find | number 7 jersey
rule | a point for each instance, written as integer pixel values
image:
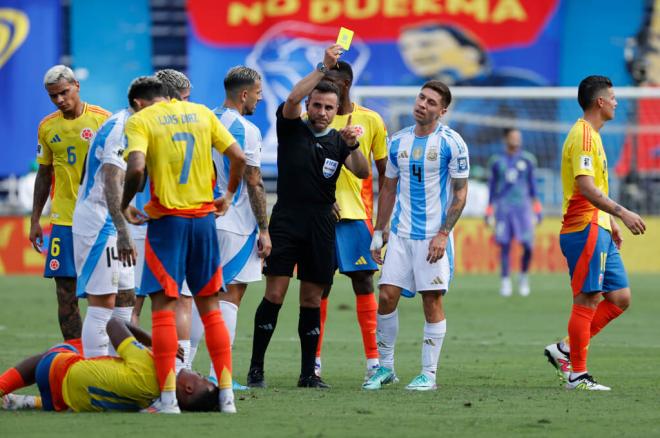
(424, 166)
(177, 138)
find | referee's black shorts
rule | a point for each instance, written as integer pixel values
(303, 236)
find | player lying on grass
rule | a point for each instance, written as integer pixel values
(126, 383)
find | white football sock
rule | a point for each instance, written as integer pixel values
(123, 313)
(196, 334)
(181, 364)
(230, 315)
(434, 335)
(372, 363)
(386, 333)
(95, 338)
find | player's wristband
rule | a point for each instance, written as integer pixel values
(444, 233)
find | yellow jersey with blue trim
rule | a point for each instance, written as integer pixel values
(124, 383)
(176, 138)
(583, 154)
(63, 144)
(355, 196)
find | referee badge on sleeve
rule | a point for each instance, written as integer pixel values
(329, 167)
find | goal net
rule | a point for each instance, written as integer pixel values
(544, 116)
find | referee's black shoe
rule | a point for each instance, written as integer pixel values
(255, 378)
(312, 381)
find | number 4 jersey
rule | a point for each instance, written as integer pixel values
(176, 138)
(63, 144)
(424, 166)
(91, 215)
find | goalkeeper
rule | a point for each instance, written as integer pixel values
(513, 206)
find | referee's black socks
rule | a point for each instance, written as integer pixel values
(309, 329)
(265, 321)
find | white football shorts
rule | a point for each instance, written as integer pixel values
(238, 257)
(405, 265)
(98, 267)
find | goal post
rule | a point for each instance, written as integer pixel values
(544, 115)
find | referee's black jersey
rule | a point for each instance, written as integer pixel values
(307, 166)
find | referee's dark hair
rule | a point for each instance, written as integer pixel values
(589, 89)
(324, 87)
(441, 88)
(239, 78)
(146, 87)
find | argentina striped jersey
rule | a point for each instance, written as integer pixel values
(239, 218)
(424, 167)
(91, 213)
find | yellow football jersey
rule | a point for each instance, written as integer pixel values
(176, 138)
(124, 383)
(582, 154)
(354, 195)
(63, 144)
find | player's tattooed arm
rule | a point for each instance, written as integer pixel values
(114, 185)
(459, 196)
(257, 195)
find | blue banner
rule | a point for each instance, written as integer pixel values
(111, 45)
(29, 45)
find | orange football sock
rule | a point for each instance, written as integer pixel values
(218, 344)
(605, 312)
(579, 334)
(324, 315)
(164, 345)
(77, 342)
(367, 307)
(10, 381)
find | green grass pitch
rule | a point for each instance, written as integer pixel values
(493, 378)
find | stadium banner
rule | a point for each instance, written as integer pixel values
(109, 53)
(402, 42)
(476, 251)
(17, 256)
(29, 44)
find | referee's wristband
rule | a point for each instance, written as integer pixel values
(353, 148)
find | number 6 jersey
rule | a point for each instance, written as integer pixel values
(63, 144)
(424, 166)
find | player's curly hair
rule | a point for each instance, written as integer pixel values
(204, 401)
(145, 87)
(174, 78)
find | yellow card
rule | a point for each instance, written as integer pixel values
(344, 38)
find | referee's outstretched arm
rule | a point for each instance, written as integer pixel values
(292, 108)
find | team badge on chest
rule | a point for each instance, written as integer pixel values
(329, 167)
(86, 134)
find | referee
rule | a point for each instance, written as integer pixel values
(302, 226)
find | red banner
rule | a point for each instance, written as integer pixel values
(16, 253)
(498, 23)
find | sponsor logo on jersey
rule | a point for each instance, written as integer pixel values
(56, 139)
(54, 265)
(329, 167)
(86, 134)
(403, 154)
